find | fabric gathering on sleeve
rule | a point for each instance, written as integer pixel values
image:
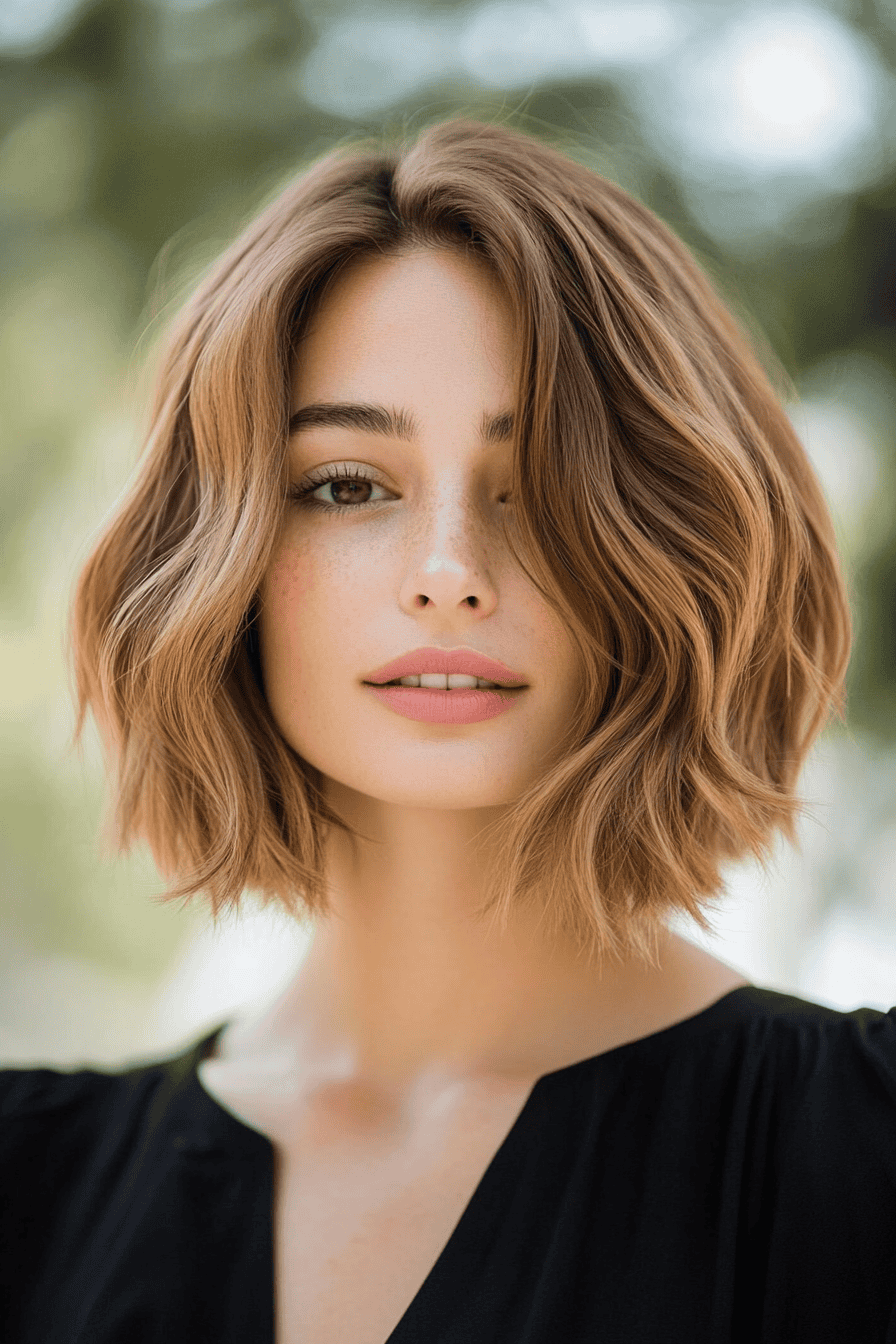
(730, 1179)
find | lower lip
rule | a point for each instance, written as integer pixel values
(435, 706)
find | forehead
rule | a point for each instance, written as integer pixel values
(416, 323)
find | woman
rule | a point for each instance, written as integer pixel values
(453, 411)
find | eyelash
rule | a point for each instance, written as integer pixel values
(301, 493)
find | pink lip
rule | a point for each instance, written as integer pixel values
(463, 661)
(435, 706)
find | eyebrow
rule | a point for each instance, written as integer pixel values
(385, 420)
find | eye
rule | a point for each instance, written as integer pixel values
(302, 494)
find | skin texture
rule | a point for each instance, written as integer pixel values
(403, 980)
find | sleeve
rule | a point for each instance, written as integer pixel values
(873, 1048)
(47, 1119)
(875, 1054)
(831, 1271)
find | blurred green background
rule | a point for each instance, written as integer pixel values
(137, 136)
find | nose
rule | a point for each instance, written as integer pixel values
(451, 564)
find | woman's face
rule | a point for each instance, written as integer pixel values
(428, 335)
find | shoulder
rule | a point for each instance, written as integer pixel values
(813, 1043)
(58, 1110)
(72, 1134)
(32, 1093)
(61, 1139)
(821, 1082)
(91, 1161)
(818, 1040)
(812, 1157)
(54, 1098)
(50, 1120)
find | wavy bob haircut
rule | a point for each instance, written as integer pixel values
(663, 504)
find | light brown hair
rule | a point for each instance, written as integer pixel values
(663, 504)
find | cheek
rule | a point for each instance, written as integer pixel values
(287, 586)
(286, 595)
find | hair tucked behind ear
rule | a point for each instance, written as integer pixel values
(662, 503)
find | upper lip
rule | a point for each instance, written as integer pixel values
(463, 661)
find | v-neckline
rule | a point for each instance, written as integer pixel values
(505, 1156)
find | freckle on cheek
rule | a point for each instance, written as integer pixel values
(289, 582)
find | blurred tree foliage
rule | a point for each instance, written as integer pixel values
(135, 143)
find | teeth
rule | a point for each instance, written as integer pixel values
(439, 681)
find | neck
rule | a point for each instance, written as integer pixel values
(403, 980)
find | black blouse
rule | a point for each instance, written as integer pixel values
(728, 1180)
